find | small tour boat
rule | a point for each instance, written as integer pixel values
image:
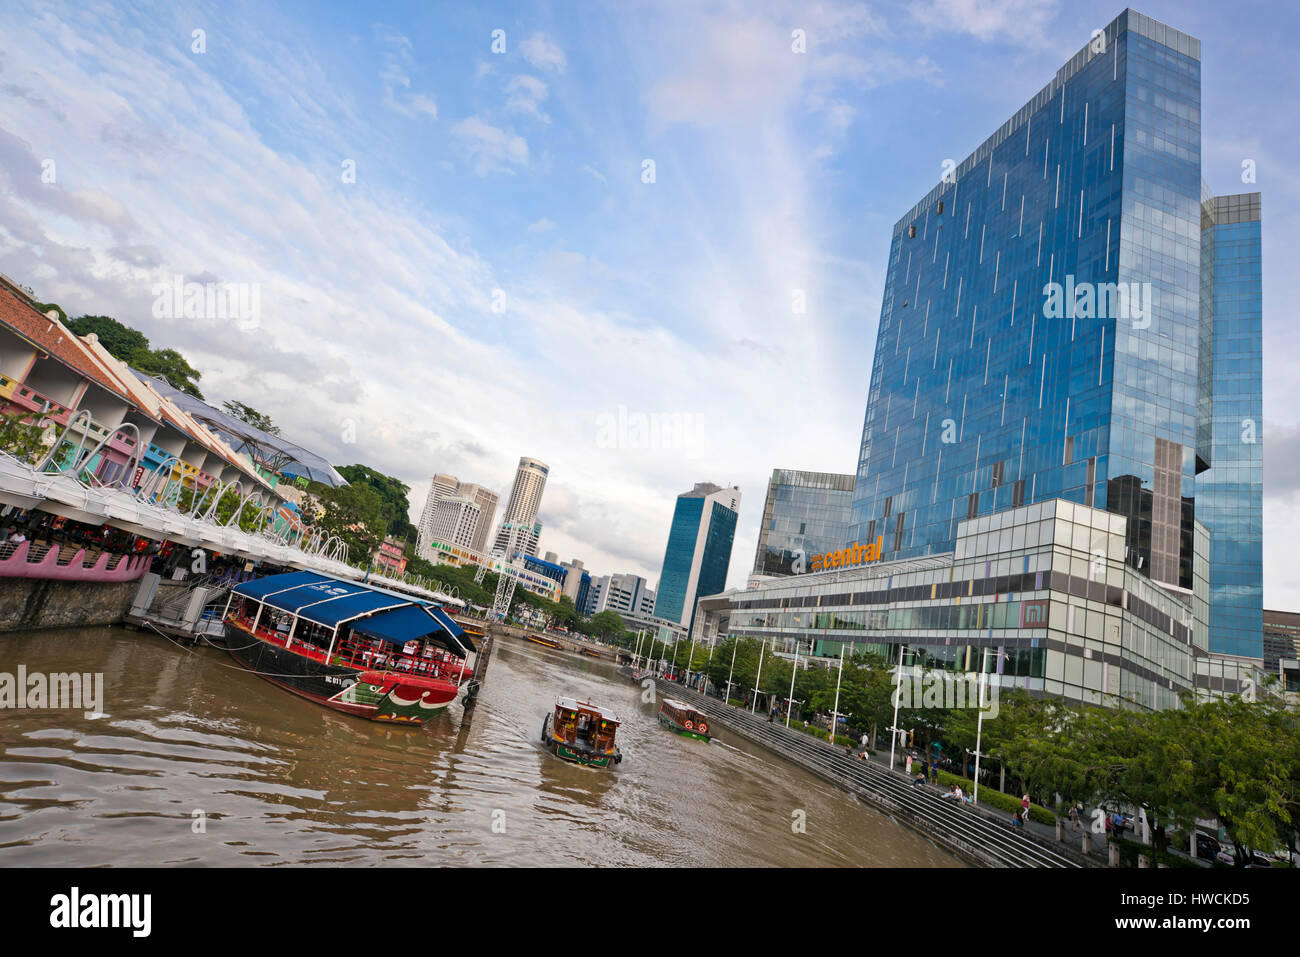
(685, 720)
(583, 733)
(349, 646)
(545, 642)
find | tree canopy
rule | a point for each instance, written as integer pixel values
(246, 413)
(132, 347)
(392, 493)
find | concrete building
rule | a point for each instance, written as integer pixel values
(522, 507)
(471, 525)
(456, 520)
(626, 594)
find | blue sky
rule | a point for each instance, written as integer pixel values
(498, 277)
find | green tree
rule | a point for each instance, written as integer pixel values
(246, 413)
(607, 624)
(132, 347)
(354, 513)
(22, 439)
(171, 365)
(121, 341)
(392, 494)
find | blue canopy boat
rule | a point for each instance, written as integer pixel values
(349, 646)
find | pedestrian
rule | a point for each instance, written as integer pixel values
(1024, 807)
(864, 740)
(909, 764)
(934, 772)
(1074, 818)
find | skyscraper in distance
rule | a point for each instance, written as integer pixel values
(698, 553)
(520, 516)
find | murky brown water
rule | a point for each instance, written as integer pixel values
(283, 781)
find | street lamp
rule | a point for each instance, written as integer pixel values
(979, 724)
(898, 682)
(836, 709)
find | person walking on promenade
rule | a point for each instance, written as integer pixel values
(1074, 818)
(1024, 808)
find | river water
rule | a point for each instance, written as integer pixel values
(196, 762)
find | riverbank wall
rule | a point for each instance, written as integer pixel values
(28, 604)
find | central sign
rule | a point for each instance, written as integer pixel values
(855, 554)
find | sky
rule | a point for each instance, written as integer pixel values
(483, 231)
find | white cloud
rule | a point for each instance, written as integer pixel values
(542, 52)
(525, 94)
(1018, 21)
(542, 225)
(490, 149)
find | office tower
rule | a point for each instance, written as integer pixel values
(522, 507)
(577, 583)
(625, 594)
(486, 500)
(1230, 493)
(699, 550)
(805, 514)
(439, 486)
(445, 486)
(1066, 315)
(456, 520)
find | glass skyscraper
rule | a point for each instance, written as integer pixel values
(699, 550)
(1066, 315)
(806, 513)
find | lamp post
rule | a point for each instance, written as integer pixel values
(898, 681)
(734, 645)
(754, 704)
(789, 705)
(835, 711)
(979, 725)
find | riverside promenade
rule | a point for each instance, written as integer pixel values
(978, 835)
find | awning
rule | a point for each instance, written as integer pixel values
(414, 622)
(259, 588)
(332, 602)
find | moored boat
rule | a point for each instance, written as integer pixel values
(545, 642)
(349, 646)
(685, 720)
(582, 733)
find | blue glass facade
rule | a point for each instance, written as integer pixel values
(1042, 329)
(699, 550)
(1230, 494)
(805, 513)
(679, 557)
(716, 559)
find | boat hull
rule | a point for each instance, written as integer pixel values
(576, 754)
(672, 725)
(363, 694)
